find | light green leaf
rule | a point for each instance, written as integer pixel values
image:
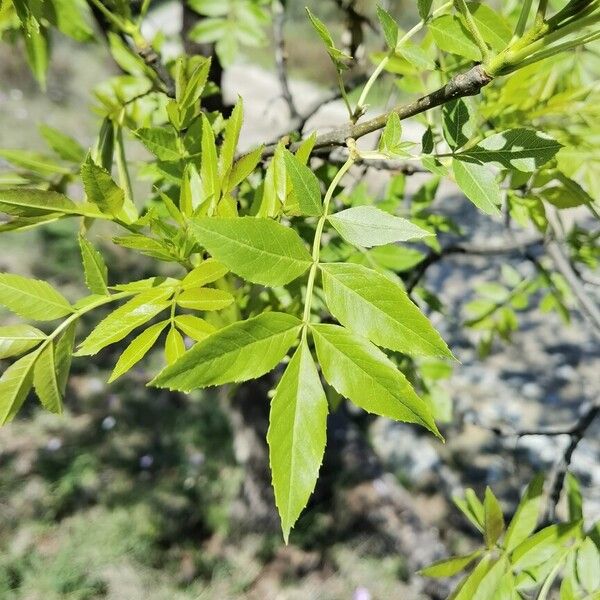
(174, 346)
(94, 267)
(145, 245)
(297, 436)
(574, 499)
(568, 589)
(391, 138)
(472, 508)
(23, 202)
(33, 161)
(101, 189)
(160, 141)
(36, 45)
(359, 371)
(205, 299)
(469, 585)
(63, 356)
(231, 137)
(17, 339)
(526, 516)
(209, 271)
(479, 185)
(241, 351)
(449, 567)
(243, 167)
(259, 250)
(494, 28)
(389, 26)
(31, 298)
(338, 57)
(305, 148)
(209, 30)
(521, 149)
(493, 519)
(195, 85)
(538, 548)
(194, 327)
(416, 56)
(305, 186)
(375, 307)
(125, 319)
(588, 566)
(45, 381)
(491, 581)
(209, 168)
(64, 145)
(450, 35)
(138, 348)
(368, 226)
(15, 384)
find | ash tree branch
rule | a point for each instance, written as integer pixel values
(469, 83)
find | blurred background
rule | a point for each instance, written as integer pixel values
(135, 493)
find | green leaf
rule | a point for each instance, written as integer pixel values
(479, 185)
(539, 547)
(209, 168)
(161, 142)
(518, 149)
(231, 138)
(469, 585)
(209, 271)
(209, 30)
(588, 566)
(31, 298)
(15, 384)
(305, 186)
(424, 7)
(493, 519)
(194, 327)
(472, 508)
(449, 567)
(416, 56)
(368, 226)
(145, 245)
(574, 499)
(259, 250)
(338, 57)
(241, 351)
(23, 202)
(174, 346)
(391, 138)
(205, 299)
(36, 45)
(244, 166)
(94, 267)
(450, 35)
(526, 515)
(65, 146)
(45, 381)
(138, 348)
(17, 339)
(72, 17)
(458, 123)
(491, 581)
(195, 85)
(494, 28)
(101, 189)
(358, 370)
(297, 436)
(33, 161)
(125, 319)
(305, 148)
(389, 26)
(63, 356)
(373, 306)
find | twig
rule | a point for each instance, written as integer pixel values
(577, 433)
(510, 247)
(469, 83)
(154, 62)
(281, 58)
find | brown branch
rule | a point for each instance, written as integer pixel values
(281, 57)
(469, 83)
(152, 60)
